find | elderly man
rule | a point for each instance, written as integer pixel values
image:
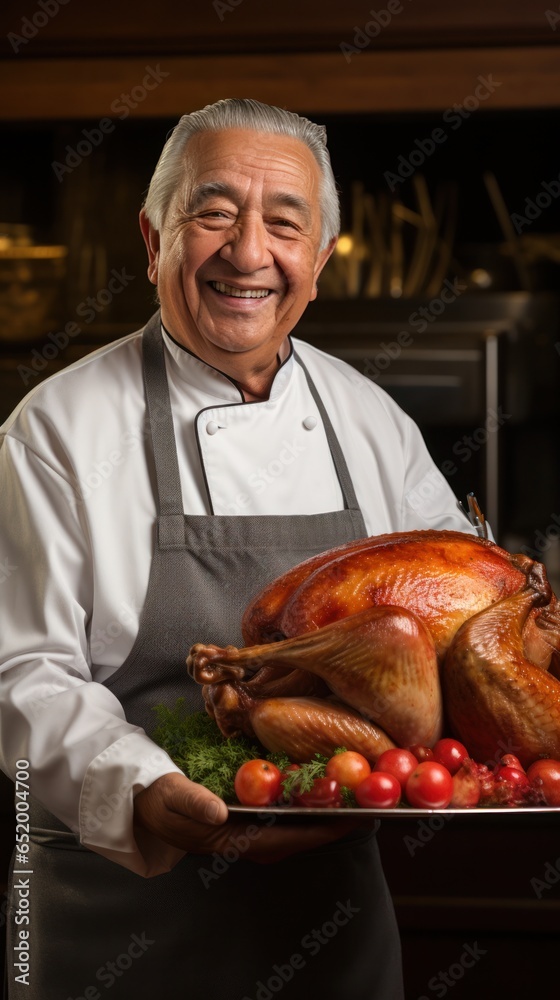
(141, 516)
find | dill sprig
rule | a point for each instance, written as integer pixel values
(196, 745)
(348, 797)
(296, 782)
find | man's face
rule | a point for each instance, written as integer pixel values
(238, 258)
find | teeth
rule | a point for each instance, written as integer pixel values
(238, 293)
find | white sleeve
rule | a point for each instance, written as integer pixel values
(86, 762)
(428, 500)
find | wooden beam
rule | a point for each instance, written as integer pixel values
(430, 80)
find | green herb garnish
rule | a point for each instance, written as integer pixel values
(196, 745)
(302, 780)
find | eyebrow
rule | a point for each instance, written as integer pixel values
(286, 199)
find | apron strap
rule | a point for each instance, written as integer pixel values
(160, 427)
(342, 471)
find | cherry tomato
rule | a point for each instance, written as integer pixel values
(325, 794)
(258, 783)
(430, 786)
(348, 768)
(450, 753)
(421, 753)
(379, 790)
(398, 762)
(544, 776)
(514, 775)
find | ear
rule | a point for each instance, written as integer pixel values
(151, 239)
(322, 259)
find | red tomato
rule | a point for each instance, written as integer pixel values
(258, 783)
(430, 786)
(325, 794)
(379, 790)
(544, 776)
(421, 753)
(514, 775)
(348, 768)
(450, 753)
(398, 762)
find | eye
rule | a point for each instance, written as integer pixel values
(216, 218)
(286, 224)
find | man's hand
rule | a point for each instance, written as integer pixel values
(190, 817)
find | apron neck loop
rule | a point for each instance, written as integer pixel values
(160, 428)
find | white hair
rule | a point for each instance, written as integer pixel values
(241, 113)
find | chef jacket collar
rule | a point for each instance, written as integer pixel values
(211, 381)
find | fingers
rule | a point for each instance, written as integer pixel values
(196, 802)
(189, 816)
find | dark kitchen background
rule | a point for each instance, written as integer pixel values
(443, 124)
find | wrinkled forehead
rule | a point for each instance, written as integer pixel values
(240, 158)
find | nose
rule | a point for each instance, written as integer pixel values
(247, 246)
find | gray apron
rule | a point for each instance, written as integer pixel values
(320, 924)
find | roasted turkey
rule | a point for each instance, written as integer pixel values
(394, 640)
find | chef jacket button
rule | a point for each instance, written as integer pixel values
(212, 427)
(309, 423)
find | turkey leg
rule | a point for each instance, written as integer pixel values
(381, 662)
(296, 726)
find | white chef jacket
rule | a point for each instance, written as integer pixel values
(77, 532)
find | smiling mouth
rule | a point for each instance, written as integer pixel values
(240, 293)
